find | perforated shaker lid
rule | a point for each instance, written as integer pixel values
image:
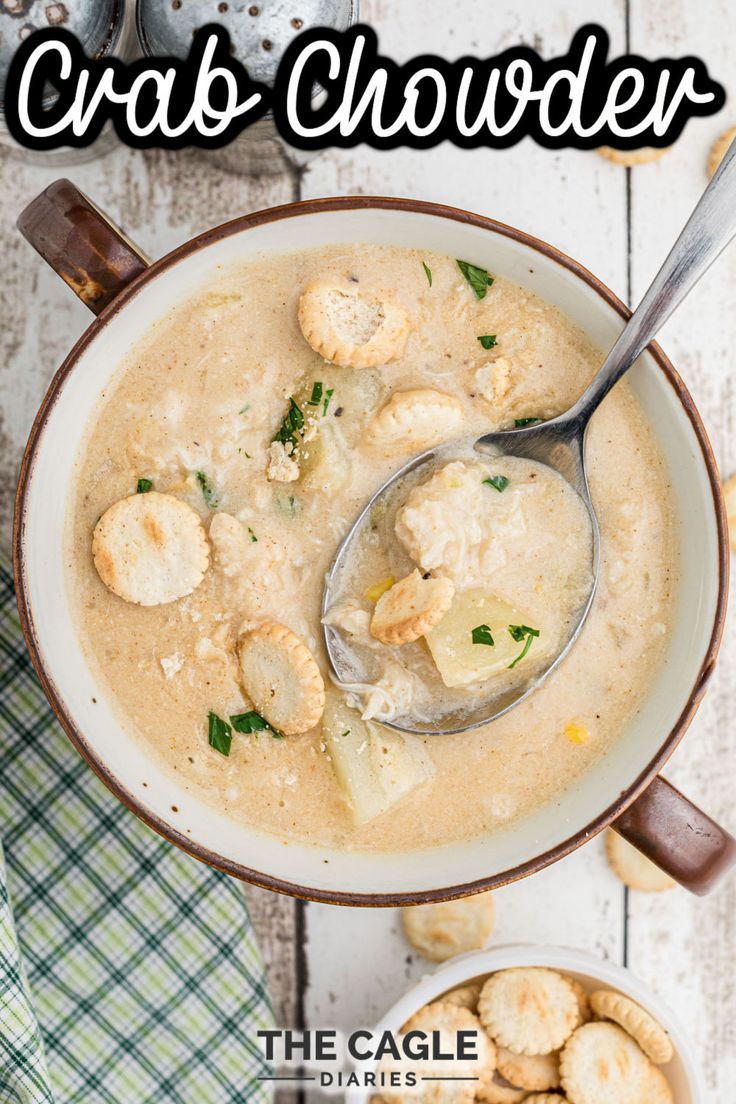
(96, 23)
(260, 31)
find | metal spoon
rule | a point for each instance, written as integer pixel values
(560, 442)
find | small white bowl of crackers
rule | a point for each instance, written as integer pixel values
(554, 1025)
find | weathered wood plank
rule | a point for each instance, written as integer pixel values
(686, 947)
(277, 921)
(577, 903)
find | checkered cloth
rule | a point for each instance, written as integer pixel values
(128, 971)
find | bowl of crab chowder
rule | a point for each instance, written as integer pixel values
(189, 478)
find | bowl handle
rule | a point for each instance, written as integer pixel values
(90, 253)
(678, 836)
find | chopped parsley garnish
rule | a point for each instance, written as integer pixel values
(481, 634)
(244, 409)
(243, 452)
(427, 272)
(519, 422)
(478, 278)
(143, 486)
(487, 340)
(292, 425)
(207, 491)
(519, 633)
(326, 401)
(316, 398)
(252, 535)
(345, 733)
(254, 722)
(500, 482)
(220, 733)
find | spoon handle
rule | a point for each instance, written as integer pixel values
(706, 233)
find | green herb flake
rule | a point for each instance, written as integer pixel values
(326, 401)
(244, 409)
(292, 425)
(500, 482)
(254, 722)
(427, 272)
(252, 535)
(316, 398)
(207, 491)
(287, 505)
(478, 278)
(143, 486)
(345, 733)
(519, 422)
(220, 734)
(487, 340)
(519, 633)
(481, 634)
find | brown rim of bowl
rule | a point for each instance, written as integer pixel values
(266, 881)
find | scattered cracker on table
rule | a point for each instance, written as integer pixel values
(410, 608)
(150, 549)
(350, 326)
(719, 149)
(281, 677)
(634, 869)
(534, 1072)
(529, 1010)
(439, 931)
(651, 1036)
(414, 420)
(729, 495)
(630, 158)
(602, 1064)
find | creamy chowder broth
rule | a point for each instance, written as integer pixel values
(195, 409)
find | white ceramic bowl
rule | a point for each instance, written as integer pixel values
(120, 758)
(683, 1072)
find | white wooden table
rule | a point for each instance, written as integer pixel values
(343, 967)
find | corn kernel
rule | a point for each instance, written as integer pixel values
(576, 733)
(374, 593)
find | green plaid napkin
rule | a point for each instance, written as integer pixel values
(128, 971)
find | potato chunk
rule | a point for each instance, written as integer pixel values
(462, 662)
(375, 768)
(324, 462)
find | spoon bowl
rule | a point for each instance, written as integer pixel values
(554, 443)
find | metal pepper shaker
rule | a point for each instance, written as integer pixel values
(260, 32)
(105, 28)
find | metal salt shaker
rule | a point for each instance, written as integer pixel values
(105, 28)
(260, 33)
